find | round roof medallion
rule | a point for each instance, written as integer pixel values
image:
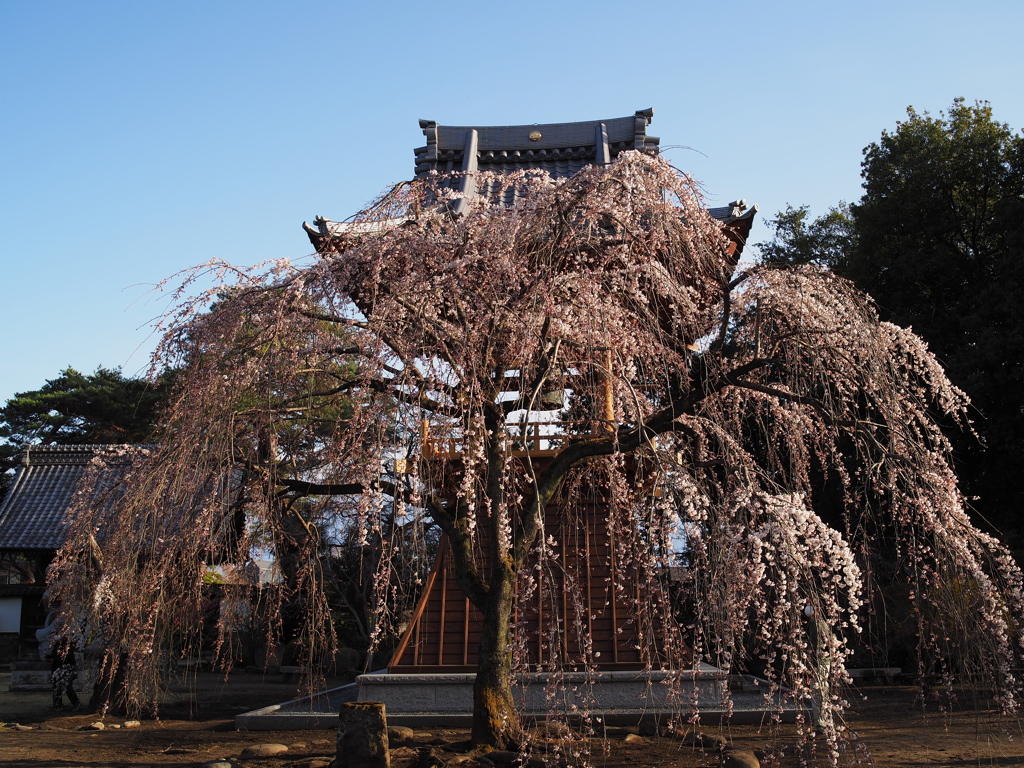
(534, 135)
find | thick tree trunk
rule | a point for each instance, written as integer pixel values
(495, 718)
(109, 688)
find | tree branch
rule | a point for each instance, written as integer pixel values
(466, 571)
(336, 319)
(304, 488)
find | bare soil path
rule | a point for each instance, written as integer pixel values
(889, 726)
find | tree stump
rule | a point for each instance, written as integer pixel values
(363, 736)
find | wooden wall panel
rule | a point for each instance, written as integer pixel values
(445, 629)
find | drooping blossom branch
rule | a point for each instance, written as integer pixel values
(375, 395)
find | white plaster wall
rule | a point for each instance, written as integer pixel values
(10, 614)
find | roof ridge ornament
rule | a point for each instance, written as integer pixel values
(603, 155)
(641, 140)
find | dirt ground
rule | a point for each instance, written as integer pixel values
(888, 729)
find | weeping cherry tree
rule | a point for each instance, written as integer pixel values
(737, 395)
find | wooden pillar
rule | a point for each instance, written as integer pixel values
(608, 392)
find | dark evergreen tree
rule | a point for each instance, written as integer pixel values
(937, 240)
(824, 242)
(76, 408)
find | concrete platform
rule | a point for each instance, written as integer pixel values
(452, 694)
(304, 713)
(618, 698)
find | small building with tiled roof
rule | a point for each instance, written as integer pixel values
(32, 529)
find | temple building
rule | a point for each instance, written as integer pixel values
(32, 529)
(432, 665)
(559, 149)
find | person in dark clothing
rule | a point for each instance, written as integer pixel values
(63, 673)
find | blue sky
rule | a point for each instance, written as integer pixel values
(137, 139)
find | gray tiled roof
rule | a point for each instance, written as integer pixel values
(560, 149)
(32, 512)
(736, 211)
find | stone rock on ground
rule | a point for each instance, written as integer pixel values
(220, 764)
(701, 740)
(363, 736)
(264, 750)
(132, 724)
(740, 758)
(551, 729)
(632, 738)
(399, 734)
(314, 762)
(99, 725)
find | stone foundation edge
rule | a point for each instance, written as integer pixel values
(452, 694)
(620, 699)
